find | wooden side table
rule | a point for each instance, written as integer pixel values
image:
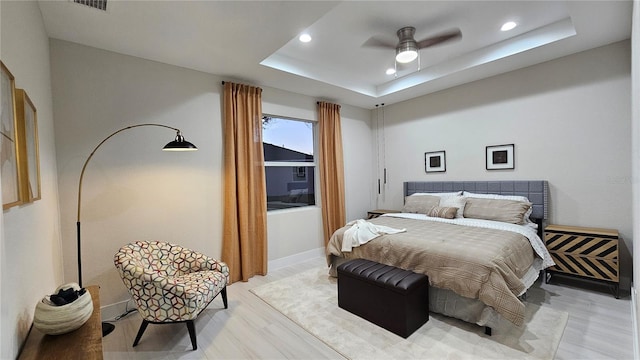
(375, 213)
(84, 343)
(584, 252)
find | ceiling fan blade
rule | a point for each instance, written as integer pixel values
(380, 42)
(456, 34)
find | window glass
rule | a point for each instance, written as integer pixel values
(287, 139)
(289, 162)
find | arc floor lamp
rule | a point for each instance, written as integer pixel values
(178, 144)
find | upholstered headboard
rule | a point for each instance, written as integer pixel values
(537, 191)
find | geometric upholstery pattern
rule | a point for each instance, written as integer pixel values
(170, 283)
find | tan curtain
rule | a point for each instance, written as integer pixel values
(244, 243)
(331, 168)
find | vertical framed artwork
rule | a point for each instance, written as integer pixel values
(11, 177)
(435, 161)
(499, 157)
(29, 150)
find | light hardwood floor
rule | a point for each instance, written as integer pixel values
(599, 326)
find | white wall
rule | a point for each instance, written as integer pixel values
(134, 191)
(290, 226)
(570, 122)
(30, 254)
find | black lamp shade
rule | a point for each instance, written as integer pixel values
(179, 144)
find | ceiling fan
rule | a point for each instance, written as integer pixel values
(407, 47)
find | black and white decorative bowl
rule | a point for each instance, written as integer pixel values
(56, 320)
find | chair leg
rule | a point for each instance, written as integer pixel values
(192, 334)
(143, 327)
(224, 297)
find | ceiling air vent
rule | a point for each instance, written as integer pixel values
(96, 4)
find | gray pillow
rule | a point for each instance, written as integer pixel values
(509, 211)
(420, 204)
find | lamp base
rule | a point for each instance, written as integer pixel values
(107, 328)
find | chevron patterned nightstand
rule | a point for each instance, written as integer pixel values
(585, 252)
(371, 214)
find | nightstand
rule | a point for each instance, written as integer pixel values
(375, 213)
(584, 252)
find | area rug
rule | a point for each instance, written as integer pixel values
(310, 299)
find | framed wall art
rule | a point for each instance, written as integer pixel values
(500, 157)
(9, 165)
(435, 161)
(29, 150)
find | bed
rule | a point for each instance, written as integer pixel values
(481, 245)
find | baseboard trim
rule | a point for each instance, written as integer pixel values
(295, 258)
(111, 311)
(634, 321)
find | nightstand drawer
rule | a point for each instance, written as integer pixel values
(375, 213)
(586, 252)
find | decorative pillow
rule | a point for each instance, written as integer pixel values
(509, 211)
(443, 212)
(420, 204)
(456, 202)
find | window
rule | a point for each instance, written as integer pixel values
(289, 162)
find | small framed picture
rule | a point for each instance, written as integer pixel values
(500, 157)
(435, 161)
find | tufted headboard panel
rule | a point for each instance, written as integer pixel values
(537, 191)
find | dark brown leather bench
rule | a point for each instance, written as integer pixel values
(390, 297)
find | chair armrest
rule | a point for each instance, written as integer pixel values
(213, 264)
(204, 262)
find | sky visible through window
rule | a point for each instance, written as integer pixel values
(290, 134)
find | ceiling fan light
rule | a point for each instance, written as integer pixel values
(406, 56)
(406, 51)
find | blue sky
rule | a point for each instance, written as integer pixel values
(291, 134)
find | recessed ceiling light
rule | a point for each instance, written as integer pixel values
(508, 26)
(305, 38)
(390, 71)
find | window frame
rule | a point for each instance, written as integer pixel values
(314, 164)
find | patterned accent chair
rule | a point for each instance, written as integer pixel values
(169, 283)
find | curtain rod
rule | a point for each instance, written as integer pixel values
(318, 103)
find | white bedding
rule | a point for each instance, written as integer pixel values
(362, 231)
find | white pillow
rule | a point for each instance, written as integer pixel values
(496, 196)
(441, 194)
(455, 201)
